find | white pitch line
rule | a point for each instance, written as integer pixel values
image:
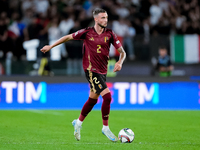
(56, 113)
(35, 111)
(45, 112)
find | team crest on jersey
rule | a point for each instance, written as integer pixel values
(105, 39)
(100, 86)
(91, 39)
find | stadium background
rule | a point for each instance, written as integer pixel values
(142, 26)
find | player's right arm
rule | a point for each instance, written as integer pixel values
(64, 39)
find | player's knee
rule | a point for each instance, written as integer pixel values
(107, 97)
(92, 101)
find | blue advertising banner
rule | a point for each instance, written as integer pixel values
(125, 95)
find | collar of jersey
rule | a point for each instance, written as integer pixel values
(96, 31)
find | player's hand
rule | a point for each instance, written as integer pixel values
(46, 48)
(118, 67)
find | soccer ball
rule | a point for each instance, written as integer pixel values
(126, 135)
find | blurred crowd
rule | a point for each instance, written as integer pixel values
(48, 20)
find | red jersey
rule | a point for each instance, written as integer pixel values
(96, 48)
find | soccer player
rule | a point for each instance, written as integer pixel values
(96, 45)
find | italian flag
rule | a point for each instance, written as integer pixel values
(185, 48)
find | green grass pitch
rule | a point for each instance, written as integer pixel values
(52, 130)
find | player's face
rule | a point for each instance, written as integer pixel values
(102, 19)
(162, 52)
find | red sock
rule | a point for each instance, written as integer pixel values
(105, 108)
(87, 107)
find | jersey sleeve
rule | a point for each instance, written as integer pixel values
(116, 43)
(79, 35)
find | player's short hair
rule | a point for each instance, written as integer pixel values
(96, 11)
(162, 47)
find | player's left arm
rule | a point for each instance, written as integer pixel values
(118, 64)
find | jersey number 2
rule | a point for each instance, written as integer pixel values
(95, 80)
(98, 48)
